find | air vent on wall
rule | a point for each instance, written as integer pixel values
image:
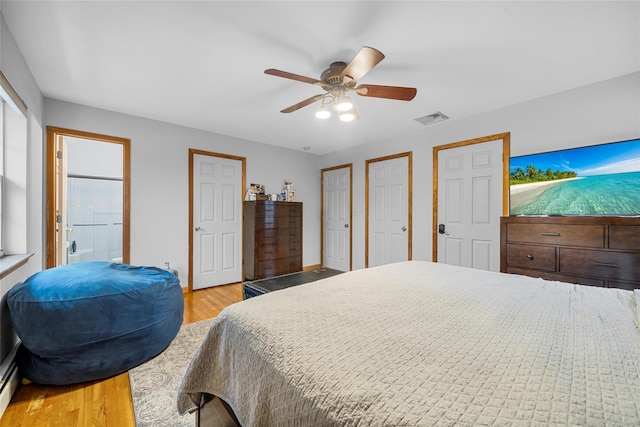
(432, 118)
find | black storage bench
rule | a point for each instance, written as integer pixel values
(262, 286)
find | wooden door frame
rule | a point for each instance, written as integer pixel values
(409, 155)
(506, 150)
(53, 134)
(192, 153)
(322, 172)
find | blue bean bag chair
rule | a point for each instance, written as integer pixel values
(92, 320)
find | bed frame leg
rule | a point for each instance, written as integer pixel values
(215, 412)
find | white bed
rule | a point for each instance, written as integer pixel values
(419, 343)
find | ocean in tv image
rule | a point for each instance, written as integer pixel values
(595, 180)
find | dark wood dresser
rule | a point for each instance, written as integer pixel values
(272, 235)
(596, 251)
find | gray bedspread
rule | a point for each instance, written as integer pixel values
(419, 343)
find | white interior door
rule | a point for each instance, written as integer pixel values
(336, 184)
(388, 219)
(217, 220)
(470, 205)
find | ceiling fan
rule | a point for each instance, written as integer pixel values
(341, 78)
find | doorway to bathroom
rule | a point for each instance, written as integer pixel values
(87, 197)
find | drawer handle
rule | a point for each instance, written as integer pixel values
(551, 234)
(530, 257)
(607, 264)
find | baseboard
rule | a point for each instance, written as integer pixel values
(8, 388)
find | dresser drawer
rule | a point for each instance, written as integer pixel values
(624, 285)
(530, 256)
(624, 237)
(616, 266)
(591, 236)
(270, 268)
(272, 251)
(547, 275)
(275, 236)
(278, 209)
(278, 222)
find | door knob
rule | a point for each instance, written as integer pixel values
(346, 226)
(441, 230)
(404, 228)
(197, 228)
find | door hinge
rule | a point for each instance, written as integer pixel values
(59, 219)
(59, 155)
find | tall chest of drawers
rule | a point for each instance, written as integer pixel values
(272, 236)
(596, 251)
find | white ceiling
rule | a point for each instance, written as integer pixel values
(200, 64)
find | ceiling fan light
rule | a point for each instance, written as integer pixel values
(323, 113)
(344, 103)
(349, 116)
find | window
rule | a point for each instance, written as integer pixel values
(13, 138)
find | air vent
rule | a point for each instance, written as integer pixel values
(432, 118)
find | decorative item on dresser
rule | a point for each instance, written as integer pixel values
(596, 251)
(272, 234)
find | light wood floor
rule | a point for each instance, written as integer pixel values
(106, 402)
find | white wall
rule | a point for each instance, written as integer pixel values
(603, 112)
(160, 181)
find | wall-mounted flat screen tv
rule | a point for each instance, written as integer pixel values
(594, 180)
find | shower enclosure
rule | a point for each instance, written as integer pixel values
(93, 197)
(94, 219)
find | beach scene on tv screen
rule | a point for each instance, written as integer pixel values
(594, 180)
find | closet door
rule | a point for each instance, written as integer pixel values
(388, 210)
(217, 220)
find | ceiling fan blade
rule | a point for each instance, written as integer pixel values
(303, 103)
(362, 63)
(389, 92)
(287, 75)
